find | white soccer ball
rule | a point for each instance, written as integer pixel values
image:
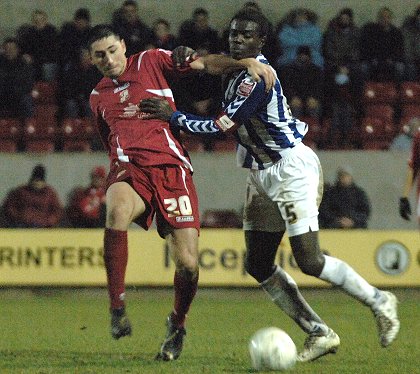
(272, 349)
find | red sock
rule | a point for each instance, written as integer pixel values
(115, 257)
(185, 290)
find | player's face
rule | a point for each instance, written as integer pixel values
(108, 55)
(244, 39)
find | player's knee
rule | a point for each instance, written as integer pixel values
(119, 216)
(311, 266)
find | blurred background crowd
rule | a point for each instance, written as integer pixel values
(357, 86)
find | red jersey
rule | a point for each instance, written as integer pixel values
(120, 123)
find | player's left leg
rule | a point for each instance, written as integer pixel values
(337, 272)
(183, 247)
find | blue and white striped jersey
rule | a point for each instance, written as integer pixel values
(264, 126)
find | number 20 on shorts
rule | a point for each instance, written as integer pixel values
(177, 207)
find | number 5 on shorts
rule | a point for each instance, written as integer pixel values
(289, 208)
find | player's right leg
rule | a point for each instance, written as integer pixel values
(123, 206)
(283, 291)
(183, 247)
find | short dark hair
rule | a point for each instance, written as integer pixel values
(82, 13)
(252, 15)
(130, 3)
(99, 32)
(200, 12)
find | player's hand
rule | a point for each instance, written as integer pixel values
(405, 209)
(182, 56)
(156, 108)
(258, 70)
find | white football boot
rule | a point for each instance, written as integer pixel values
(318, 346)
(386, 318)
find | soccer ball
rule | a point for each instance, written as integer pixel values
(272, 349)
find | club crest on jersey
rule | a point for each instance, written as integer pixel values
(245, 88)
(124, 96)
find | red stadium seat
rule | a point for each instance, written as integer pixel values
(221, 219)
(45, 92)
(410, 93)
(38, 137)
(46, 114)
(225, 145)
(192, 143)
(380, 110)
(380, 93)
(376, 133)
(410, 110)
(76, 134)
(10, 133)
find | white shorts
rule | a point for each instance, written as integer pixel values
(285, 196)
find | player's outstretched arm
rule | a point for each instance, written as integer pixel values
(217, 64)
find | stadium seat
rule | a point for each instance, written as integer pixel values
(45, 92)
(228, 144)
(380, 93)
(410, 93)
(10, 133)
(38, 137)
(376, 133)
(410, 110)
(385, 111)
(46, 114)
(76, 134)
(192, 143)
(221, 219)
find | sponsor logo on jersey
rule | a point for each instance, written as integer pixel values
(225, 123)
(184, 219)
(245, 88)
(124, 96)
(123, 87)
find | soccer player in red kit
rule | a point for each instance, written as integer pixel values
(150, 172)
(412, 174)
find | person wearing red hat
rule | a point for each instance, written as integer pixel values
(86, 207)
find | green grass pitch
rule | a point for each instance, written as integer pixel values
(67, 331)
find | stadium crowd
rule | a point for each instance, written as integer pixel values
(357, 87)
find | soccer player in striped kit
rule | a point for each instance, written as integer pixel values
(284, 189)
(150, 172)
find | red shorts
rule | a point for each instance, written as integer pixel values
(167, 190)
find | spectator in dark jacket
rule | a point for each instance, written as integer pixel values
(136, 34)
(40, 42)
(196, 32)
(302, 84)
(16, 82)
(33, 205)
(382, 49)
(344, 205)
(411, 33)
(163, 37)
(73, 36)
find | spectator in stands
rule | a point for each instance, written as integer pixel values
(404, 140)
(16, 82)
(382, 49)
(76, 82)
(412, 175)
(73, 36)
(86, 207)
(163, 37)
(33, 205)
(271, 49)
(302, 84)
(345, 205)
(196, 32)
(40, 42)
(411, 33)
(341, 98)
(300, 28)
(341, 47)
(136, 34)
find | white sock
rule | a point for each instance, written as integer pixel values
(341, 274)
(285, 294)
